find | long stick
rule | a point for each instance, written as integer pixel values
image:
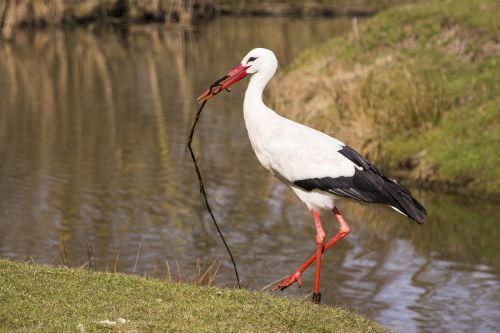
(202, 189)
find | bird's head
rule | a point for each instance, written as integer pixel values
(259, 60)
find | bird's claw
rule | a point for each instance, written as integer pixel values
(287, 282)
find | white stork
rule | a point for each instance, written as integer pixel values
(317, 167)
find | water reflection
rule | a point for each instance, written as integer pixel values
(92, 138)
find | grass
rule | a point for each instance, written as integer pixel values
(416, 90)
(47, 299)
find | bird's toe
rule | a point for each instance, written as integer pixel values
(287, 282)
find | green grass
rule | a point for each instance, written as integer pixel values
(416, 91)
(46, 299)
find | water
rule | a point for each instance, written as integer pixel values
(93, 127)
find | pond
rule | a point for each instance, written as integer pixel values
(93, 128)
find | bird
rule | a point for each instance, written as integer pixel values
(318, 168)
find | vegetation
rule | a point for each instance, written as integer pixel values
(39, 13)
(304, 8)
(42, 298)
(415, 88)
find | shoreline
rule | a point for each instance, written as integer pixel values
(39, 14)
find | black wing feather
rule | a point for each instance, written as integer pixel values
(367, 184)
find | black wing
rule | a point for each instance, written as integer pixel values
(367, 184)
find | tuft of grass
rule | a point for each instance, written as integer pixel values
(416, 90)
(43, 298)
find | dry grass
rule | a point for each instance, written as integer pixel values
(371, 102)
(200, 275)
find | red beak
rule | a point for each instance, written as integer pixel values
(236, 74)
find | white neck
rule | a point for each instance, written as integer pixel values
(256, 113)
(255, 89)
(261, 122)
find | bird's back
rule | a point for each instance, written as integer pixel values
(367, 184)
(313, 161)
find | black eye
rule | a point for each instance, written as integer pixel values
(251, 59)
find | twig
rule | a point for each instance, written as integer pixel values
(116, 261)
(137, 257)
(90, 257)
(178, 278)
(88, 262)
(355, 27)
(207, 273)
(274, 282)
(196, 270)
(212, 277)
(153, 261)
(202, 187)
(168, 273)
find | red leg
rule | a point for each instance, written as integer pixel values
(295, 276)
(320, 238)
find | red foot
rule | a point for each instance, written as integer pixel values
(289, 281)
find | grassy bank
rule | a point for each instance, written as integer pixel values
(45, 299)
(415, 88)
